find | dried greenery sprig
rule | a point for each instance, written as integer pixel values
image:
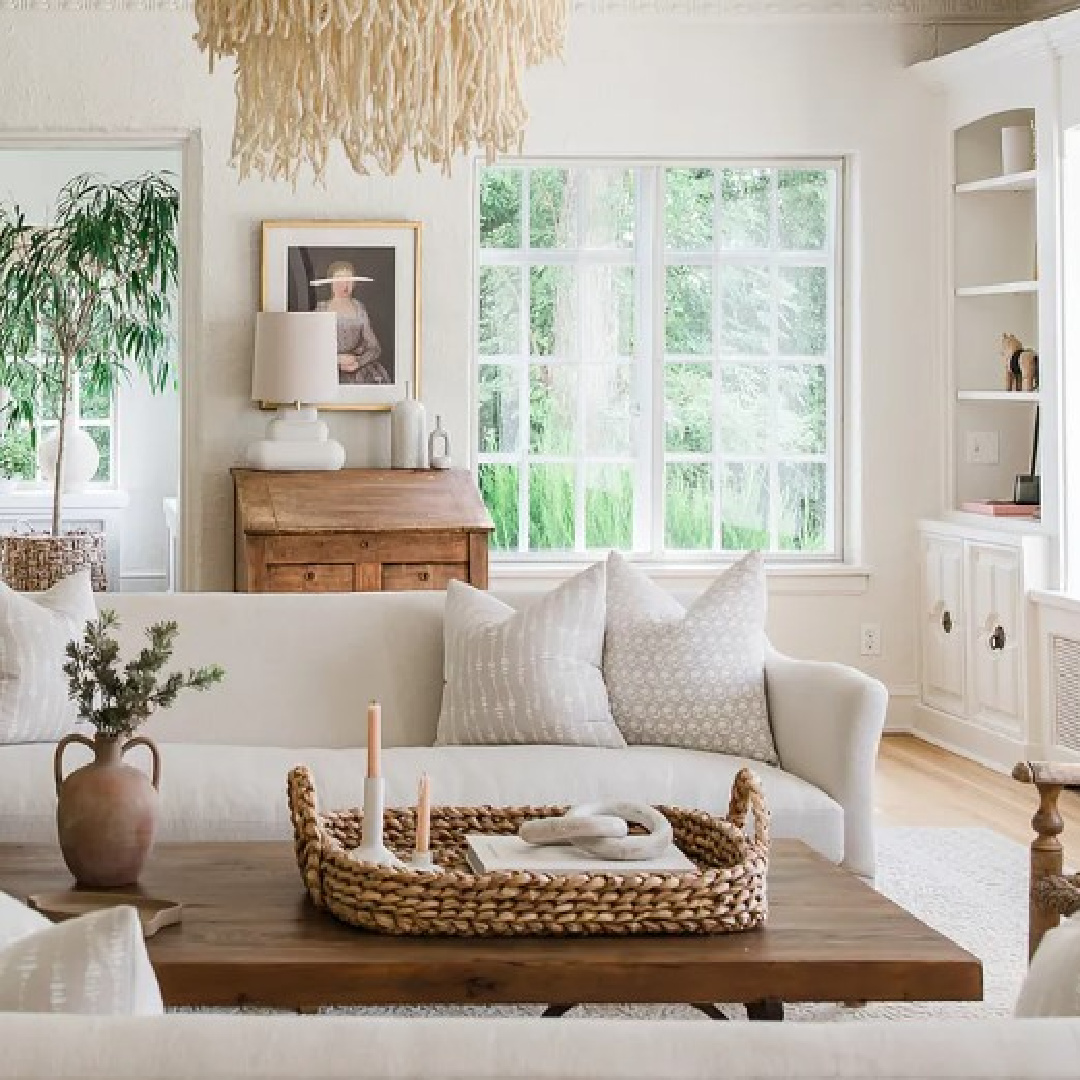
(118, 699)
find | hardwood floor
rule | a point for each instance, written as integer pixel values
(920, 784)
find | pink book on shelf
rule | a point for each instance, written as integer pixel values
(1001, 508)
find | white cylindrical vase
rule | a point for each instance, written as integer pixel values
(81, 456)
(408, 438)
(1017, 149)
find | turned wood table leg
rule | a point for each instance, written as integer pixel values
(1047, 858)
(766, 1009)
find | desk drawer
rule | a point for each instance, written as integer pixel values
(400, 576)
(312, 577)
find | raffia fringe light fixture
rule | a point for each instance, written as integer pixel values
(386, 78)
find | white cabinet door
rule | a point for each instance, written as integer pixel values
(944, 631)
(995, 625)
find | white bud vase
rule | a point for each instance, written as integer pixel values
(408, 446)
(80, 456)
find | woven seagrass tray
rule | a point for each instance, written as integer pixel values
(726, 894)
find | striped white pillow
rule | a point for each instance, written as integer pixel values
(34, 630)
(530, 676)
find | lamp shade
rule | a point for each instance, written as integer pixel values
(295, 357)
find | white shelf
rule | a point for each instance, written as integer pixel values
(1013, 397)
(1003, 288)
(970, 522)
(1024, 181)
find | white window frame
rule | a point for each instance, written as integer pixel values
(650, 357)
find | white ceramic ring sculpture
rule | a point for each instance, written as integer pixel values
(568, 830)
(650, 845)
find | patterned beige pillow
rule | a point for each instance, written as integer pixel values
(530, 676)
(34, 630)
(692, 678)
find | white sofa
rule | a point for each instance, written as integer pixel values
(300, 670)
(325, 1048)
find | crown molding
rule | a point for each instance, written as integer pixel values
(994, 11)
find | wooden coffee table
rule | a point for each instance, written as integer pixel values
(250, 936)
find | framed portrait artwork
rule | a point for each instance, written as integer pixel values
(368, 273)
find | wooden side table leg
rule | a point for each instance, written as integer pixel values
(766, 1009)
(553, 1012)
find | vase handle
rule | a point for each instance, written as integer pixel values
(142, 740)
(58, 756)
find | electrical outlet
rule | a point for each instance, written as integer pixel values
(982, 448)
(870, 642)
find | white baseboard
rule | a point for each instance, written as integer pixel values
(900, 717)
(996, 751)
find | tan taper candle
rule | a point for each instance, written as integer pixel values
(374, 739)
(423, 816)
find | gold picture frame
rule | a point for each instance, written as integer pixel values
(371, 272)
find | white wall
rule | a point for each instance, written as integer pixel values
(148, 429)
(641, 85)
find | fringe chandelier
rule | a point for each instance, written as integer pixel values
(385, 78)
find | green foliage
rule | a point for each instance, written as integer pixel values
(118, 699)
(18, 460)
(88, 293)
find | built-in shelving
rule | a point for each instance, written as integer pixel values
(1012, 397)
(1001, 288)
(1024, 181)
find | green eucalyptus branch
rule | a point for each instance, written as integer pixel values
(118, 699)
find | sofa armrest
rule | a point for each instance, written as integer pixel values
(827, 721)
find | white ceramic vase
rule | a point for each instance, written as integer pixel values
(408, 439)
(80, 457)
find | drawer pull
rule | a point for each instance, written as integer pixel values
(423, 575)
(997, 639)
(309, 575)
(946, 621)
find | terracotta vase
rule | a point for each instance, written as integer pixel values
(106, 811)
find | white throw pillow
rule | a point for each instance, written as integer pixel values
(530, 676)
(1052, 984)
(691, 678)
(93, 964)
(17, 920)
(34, 630)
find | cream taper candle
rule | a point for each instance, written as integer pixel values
(374, 739)
(423, 816)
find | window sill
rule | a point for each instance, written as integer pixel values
(832, 579)
(39, 499)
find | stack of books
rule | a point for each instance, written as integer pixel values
(487, 854)
(1002, 508)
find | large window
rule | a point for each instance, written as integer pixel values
(659, 357)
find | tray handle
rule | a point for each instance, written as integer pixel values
(747, 796)
(307, 831)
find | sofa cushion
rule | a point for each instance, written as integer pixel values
(94, 964)
(529, 676)
(34, 631)
(1052, 984)
(238, 792)
(693, 678)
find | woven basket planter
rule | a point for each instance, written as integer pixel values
(726, 894)
(33, 562)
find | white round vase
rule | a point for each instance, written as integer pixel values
(80, 457)
(408, 439)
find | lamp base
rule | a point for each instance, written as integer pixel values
(296, 439)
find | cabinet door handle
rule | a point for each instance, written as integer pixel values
(946, 621)
(997, 639)
(423, 575)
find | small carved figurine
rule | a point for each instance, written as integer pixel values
(1021, 365)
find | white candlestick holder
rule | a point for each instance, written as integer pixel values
(423, 860)
(372, 849)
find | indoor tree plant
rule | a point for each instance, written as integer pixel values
(87, 295)
(106, 811)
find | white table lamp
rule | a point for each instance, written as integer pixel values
(295, 365)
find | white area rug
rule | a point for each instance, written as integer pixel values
(970, 884)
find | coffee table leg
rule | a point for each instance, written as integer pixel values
(710, 1010)
(767, 1009)
(553, 1012)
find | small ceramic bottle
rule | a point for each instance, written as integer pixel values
(439, 446)
(408, 419)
